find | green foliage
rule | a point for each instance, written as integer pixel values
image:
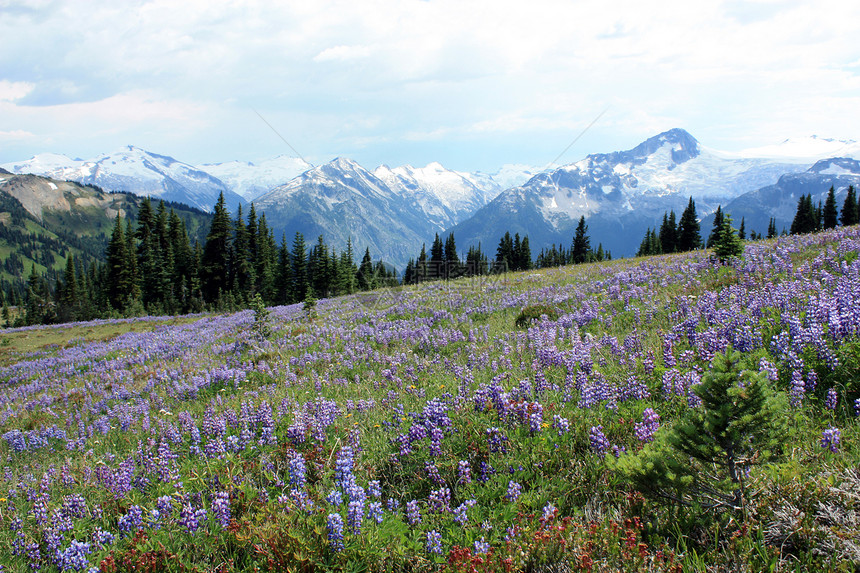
(703, 459)
(727, 244)
(534, 312)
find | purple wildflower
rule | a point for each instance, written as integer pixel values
(830, 439)
(599, 443)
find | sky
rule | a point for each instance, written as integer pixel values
(473, 85)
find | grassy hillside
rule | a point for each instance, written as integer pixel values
(43, 220)
(490, 425)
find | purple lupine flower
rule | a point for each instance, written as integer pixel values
(549, 511)
(561, 424)
(103, 538)
(769, 369)
(355, 515)
(413, 514)
(392, 504)
(496, 440)
(374, 511)
(464, 472)
(460, 511)
(374, 489)
(221, 508)
(74, 557)
(481, 546)
(514, 491)
(440, 500)
(857, 407)
(811, 381)
(436, 435)
(334, 524)
(650, 424)
(297, 471)
(334, 498)
(434, 542)
(131, 521)
(830, 401)
(191, 518)
(830, 439)
(599, 443)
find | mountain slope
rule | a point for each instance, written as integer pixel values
(780, 199)
(252, 180)
(622, 193)
(137, 171)
(42, 219)
(342, 200)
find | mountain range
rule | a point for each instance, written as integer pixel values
(393, 211)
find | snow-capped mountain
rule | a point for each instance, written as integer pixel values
(136, 171)
(780, 199)
(445, 197)
(342, 200)
(623, 193)
(251, 180)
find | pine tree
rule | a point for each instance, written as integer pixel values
(348, 270)
(243, 271)
(524, 257)
(505, 252)
(669, 233)
(452, 260)
(365, 271)
(727, 245)
(805, 218)
(742, 232)
(437, 259)
(215, 265)
(718, 225)
(688, 229)
(581, 243)
(703, 459)
(284, 293)
(830, 216)
(771, 228)
(849, 215)
(69, 292)
(299, 261)
(421, 265)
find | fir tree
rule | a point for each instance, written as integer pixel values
(805, 219)
(365, 271)
(669, 233)
(452, 260)
(688, 229)
(581, 243)
(727, 245)
(298, 258)
(740, 423)
(830, 216)
(505, 252)
(849, 214)
(742, 232)
(771, 228)
(437, 259)
(215, 265)
(718, 225)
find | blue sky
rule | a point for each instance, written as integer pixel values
(471, 84)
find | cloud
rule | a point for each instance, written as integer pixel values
(11, 91)
(343, 53)
(474, 71)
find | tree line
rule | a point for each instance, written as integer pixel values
(152, 267)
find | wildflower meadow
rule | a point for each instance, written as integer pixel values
(663, 413)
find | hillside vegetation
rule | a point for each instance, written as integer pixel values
(43, 221)
(656, 414)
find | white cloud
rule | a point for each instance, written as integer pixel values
(427, 71)
(11, 91)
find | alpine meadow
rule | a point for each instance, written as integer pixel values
(663, 413)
